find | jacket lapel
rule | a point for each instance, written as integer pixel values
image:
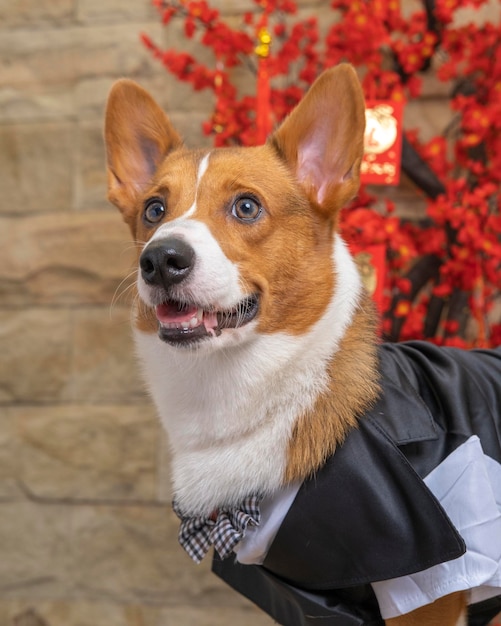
(367, 515)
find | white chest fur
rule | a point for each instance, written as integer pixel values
(229, 413)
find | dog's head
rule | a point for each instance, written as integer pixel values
(235, 241)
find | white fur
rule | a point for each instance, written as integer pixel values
(229, 412)
(202, 168)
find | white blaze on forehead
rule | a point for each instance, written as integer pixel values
(202, 168)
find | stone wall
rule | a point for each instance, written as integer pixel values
(87, 536)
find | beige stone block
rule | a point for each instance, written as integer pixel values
(36, 102)
(46, 55)
(430, 116)
(228, 7)
(35, 361)
(10, 458)
(122, 554)
(65, 258)
(91, 181)
(115, 50)
(35, 547)
(50, 356)
(34, 12)
(61, 56)
(90, 559)
(114, 11)
(98, 613)
(36, 165)
(131, 555)
(84, 453)
(103, 369)
(67, 613)
(125, 554)
(91, 94)
(189, 126)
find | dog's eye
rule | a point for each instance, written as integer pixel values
(246, 208)
(154, 211)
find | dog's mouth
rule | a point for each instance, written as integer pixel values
(182, 323)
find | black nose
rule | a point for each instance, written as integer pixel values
(166, 262)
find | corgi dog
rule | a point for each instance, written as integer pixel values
(256, 338)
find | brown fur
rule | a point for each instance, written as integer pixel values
(353, 390)
(447, 611)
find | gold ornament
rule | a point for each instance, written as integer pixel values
(263, 48)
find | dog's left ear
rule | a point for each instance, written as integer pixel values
(323, 138)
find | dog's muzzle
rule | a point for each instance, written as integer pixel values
(165, 264)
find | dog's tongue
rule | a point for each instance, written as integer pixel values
(210, 320)
(171, 313)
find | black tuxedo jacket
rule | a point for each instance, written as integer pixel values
(367, 516)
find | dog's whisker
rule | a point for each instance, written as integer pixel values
(125, 293)
(131, 246)
(121, 290)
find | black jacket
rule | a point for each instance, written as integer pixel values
(367, 515)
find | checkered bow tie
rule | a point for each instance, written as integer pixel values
(197, 534)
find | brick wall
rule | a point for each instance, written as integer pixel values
(86, 532)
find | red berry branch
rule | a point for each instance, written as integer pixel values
(443, 273)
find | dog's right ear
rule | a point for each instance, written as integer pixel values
(138, 135)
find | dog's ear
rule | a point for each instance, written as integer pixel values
(138, 135)
(323, 138)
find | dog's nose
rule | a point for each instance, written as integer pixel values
(166, 262)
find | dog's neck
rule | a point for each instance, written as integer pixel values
(250, 418)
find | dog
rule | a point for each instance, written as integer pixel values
(300, 445)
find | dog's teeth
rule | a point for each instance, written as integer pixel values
(194, 322)
(186, 325)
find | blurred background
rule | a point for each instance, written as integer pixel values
(87, 536)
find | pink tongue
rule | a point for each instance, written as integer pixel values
(169, 313)
(210, 320)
